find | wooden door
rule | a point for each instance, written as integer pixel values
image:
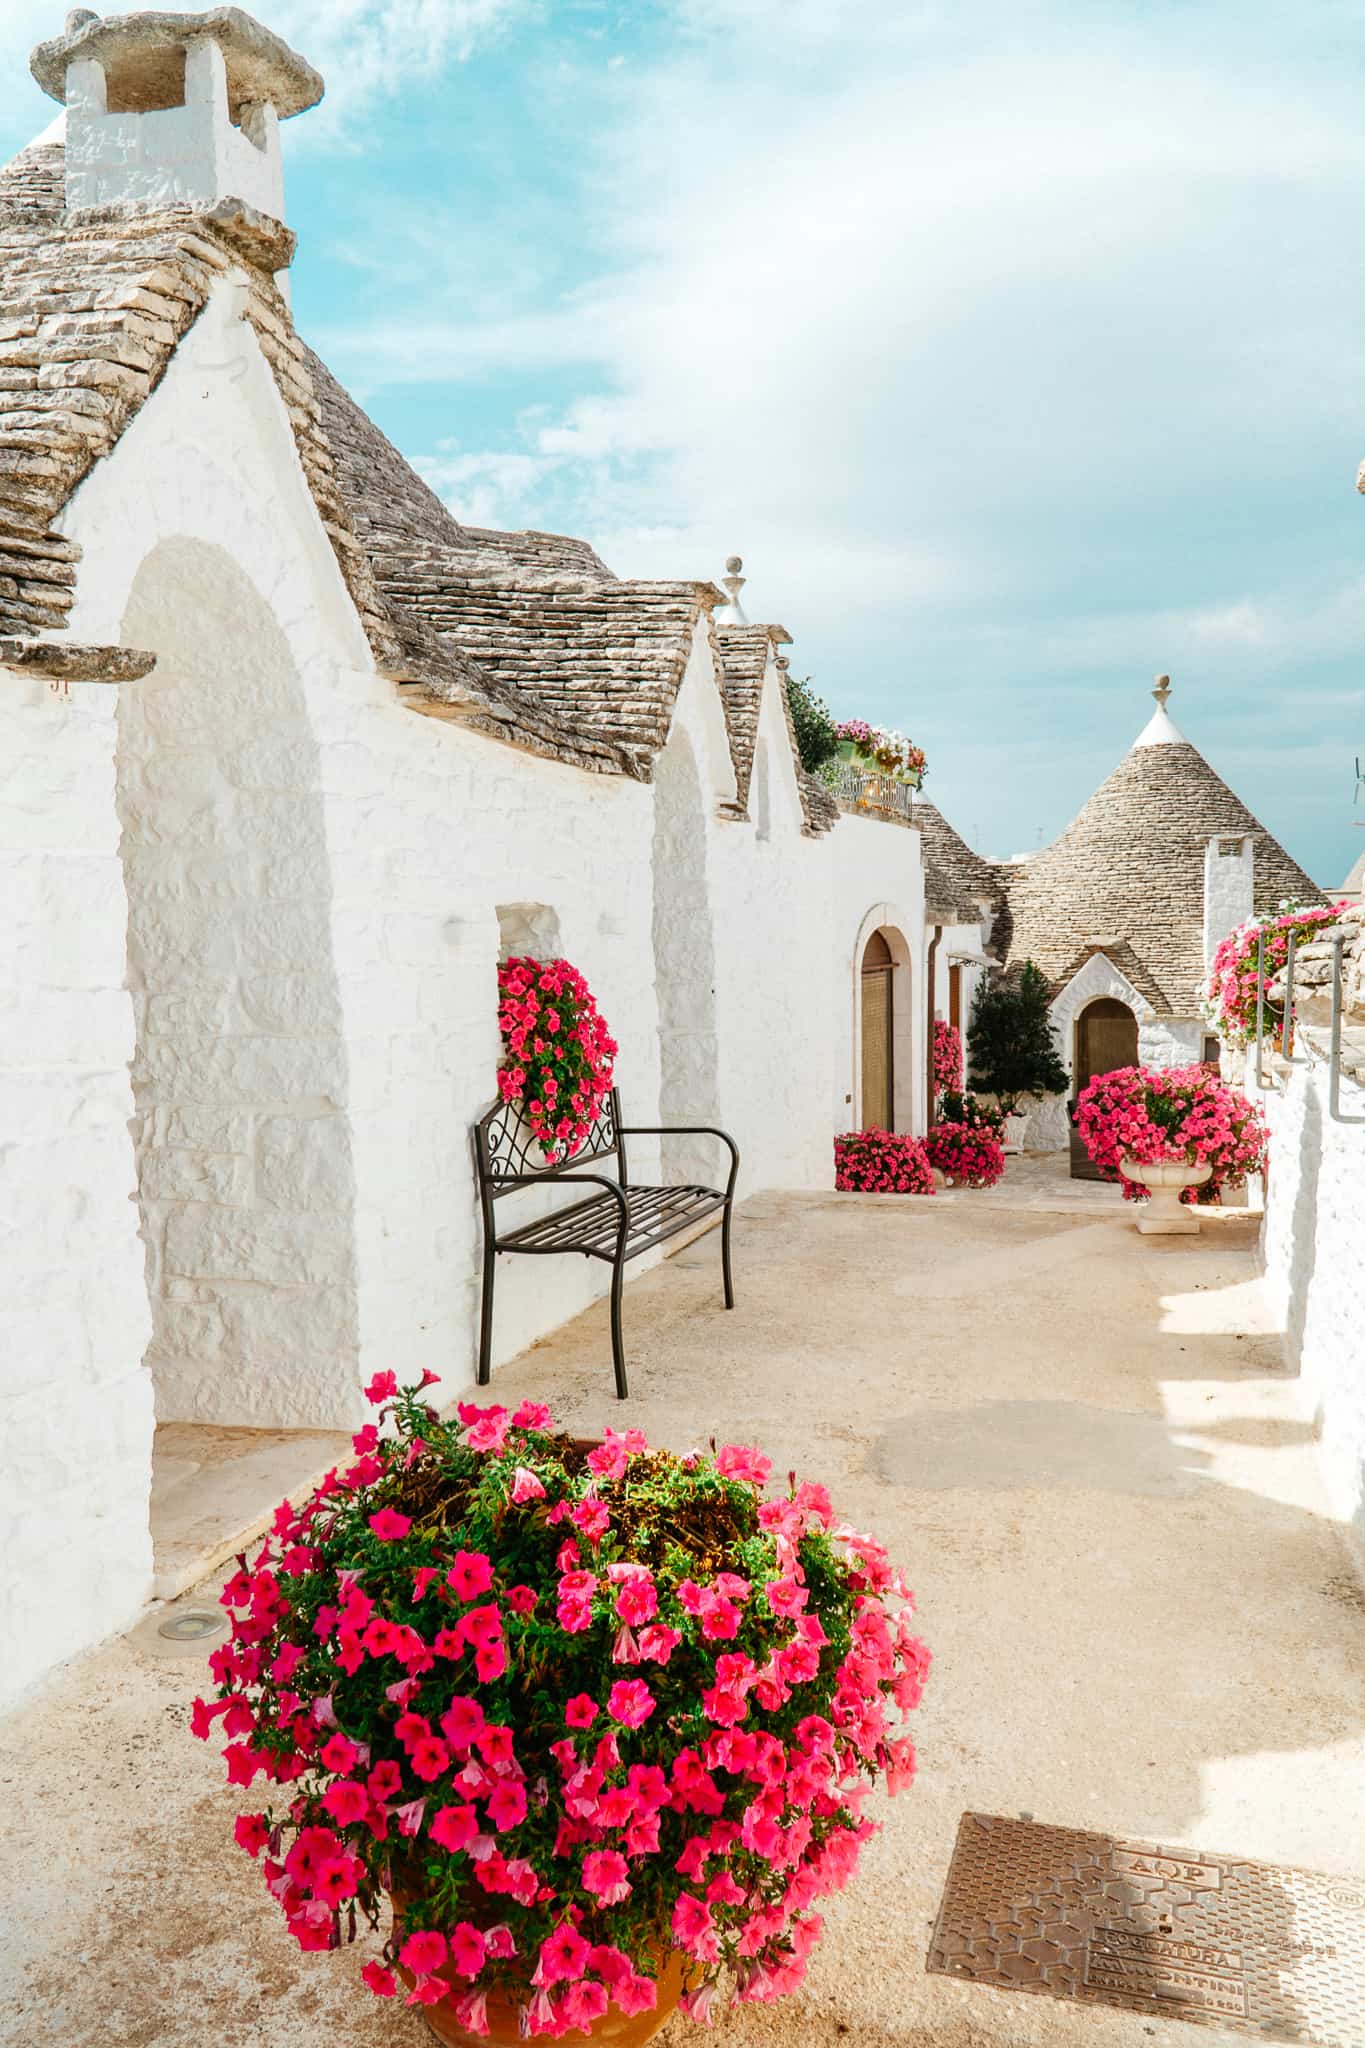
(1106, 1037)
(878, 1075)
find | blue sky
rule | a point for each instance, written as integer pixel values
(1020, 349)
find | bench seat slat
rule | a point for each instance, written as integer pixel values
(654, 1215)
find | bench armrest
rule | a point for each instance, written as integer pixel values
(688, 1131)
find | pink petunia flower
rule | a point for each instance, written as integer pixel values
(740, 1461)
(454, 1827)
(487, 1431)
(382, 1387)
(423, 1952)
(467, 1949)
(470, 1574)
(630, 1702)
(250, 1832)
(533, 1415)
(606, 1876)
(389, 1525)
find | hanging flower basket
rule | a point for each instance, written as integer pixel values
(597, 1722)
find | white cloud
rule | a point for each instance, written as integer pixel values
(368, 50)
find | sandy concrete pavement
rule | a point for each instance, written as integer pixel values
(1083, 1447)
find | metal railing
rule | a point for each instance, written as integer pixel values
(1289, 1026)
(862, 790)
(1334, 1108)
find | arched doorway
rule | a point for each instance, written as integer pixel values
(878, 1035)
(1106, 1037)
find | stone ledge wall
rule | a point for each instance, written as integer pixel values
(1313, 1248)
(1313, 1237)
(75, 1398)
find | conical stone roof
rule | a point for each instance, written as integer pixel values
(1130, 869)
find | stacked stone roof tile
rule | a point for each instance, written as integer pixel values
(744, 662)
(1130, 867)
(956, 880)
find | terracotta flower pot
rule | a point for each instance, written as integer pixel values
(615, 2029)
(1165, 1215)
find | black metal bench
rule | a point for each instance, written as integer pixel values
(615, 1225)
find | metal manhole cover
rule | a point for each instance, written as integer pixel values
(1217, 1940)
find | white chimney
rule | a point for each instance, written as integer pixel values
(174, 109)
(1229, 889)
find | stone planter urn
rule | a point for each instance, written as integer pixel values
(1165, 1215)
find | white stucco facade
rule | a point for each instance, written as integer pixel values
(259, 906)
(314, 880)
(1313, 1246)
(75, 1395)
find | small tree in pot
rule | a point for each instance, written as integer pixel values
(1011, 1050)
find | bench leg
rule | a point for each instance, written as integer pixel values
(725, 1259)
(486, 1316)
(618, 1349)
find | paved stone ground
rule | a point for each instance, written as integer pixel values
(1082, 1445)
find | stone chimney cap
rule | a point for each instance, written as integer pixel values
(260, 66)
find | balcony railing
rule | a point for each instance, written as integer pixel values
(870, 794)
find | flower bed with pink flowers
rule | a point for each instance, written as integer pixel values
(947, 1057)
(1171, 1113)
(557, 1052)
(969, 1154)
(881, 1163)
(1230, 997)
(583, 1710)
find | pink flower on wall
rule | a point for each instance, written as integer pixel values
(558, 1056)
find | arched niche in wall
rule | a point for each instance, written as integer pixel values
(246, 1185)
(528, 931)
(883, 1023)
(684, 962)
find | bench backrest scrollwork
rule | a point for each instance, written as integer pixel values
(506, 1151)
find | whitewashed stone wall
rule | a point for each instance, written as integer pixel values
(426, 829)
(316, 877)
(763, 954)
(246, 1183)
(199, 537)
(75, 1397)
(876, 883)
(1313, 1246)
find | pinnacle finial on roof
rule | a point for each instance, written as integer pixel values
(732, 612)
(1161, 729)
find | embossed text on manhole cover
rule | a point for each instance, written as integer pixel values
(1218, 1940)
